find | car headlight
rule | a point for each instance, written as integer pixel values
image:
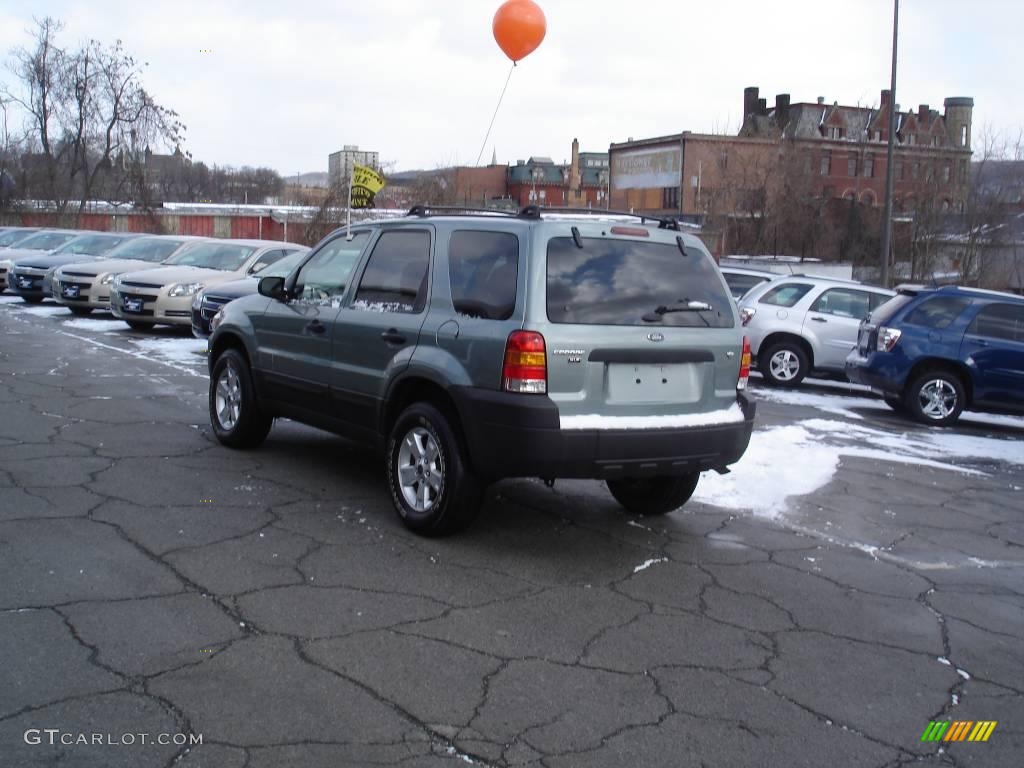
(184, 289)
(107, 279)
(216, 320)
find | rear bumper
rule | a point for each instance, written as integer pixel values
(511, 435)
(871, 371)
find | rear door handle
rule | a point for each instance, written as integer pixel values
(316, 327)
(392, 336)
(819, 319)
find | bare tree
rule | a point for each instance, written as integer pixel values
(83, 107)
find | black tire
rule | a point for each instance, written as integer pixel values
(135, 325)
(32, 299)
(936, 398)
(245, 426)
(426, 456)
(896, 403)
(653, 495)
(81, 311)
(784, 364)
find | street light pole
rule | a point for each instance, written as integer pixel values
(889, 175)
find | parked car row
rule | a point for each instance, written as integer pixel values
(144, 280)
(930, 352)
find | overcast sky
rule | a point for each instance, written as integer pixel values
(417, 80)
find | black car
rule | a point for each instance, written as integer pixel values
(208, 302)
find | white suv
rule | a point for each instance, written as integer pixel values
(799, 323)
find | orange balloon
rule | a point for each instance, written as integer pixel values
(519, 27)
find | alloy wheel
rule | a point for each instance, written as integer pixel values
(228, 398)
(420, 469)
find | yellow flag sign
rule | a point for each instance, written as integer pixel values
(367, 178)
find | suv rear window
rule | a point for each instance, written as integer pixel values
(483, 268)
(617, 282)
(891, 307)
(937, 312)
(785, 295)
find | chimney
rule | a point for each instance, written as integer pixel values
(821, 99)
(749, 100)
(923, 112)
(782, 110)
(762, 106)
(886, 98)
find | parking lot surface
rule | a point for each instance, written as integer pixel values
(854, 578)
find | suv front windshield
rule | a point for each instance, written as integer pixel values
(225, 256)
(619, 282)
(148, 249)
(282, 267)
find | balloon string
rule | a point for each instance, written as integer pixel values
(489, 127)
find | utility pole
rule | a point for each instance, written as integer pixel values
(889, 175)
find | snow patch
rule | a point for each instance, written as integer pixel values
(182, 351)
(648, 563)
(100, 326)
(730, 415)
(45, 311)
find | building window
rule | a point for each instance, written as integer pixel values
(723, 161)
(876, 135)
(834, 133)
(851, 165)
(670, 198)
(543, 194)
(826, 164)
(963, 135)
(929, 172)
(946, 172)
(915, 170)
(963, 171)
(897, 170)
(910, 140)
(869, 166)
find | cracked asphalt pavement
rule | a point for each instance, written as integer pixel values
(155, 582)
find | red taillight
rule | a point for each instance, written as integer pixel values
(741, 382)
(526, 363)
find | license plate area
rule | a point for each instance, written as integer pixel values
(132, 305)
(24, 282)
(70, 291)
(640, 383)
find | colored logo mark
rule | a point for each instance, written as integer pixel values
(959, 730)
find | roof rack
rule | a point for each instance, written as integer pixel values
(424, 211)
(535, 211)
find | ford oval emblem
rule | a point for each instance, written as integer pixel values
(655, 337)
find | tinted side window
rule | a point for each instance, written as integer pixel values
(323, 278)
(483, 268)
(266, 259)
(937, 312)
(878, 299)
(1000, 321)
(395, 279)
(786, 295)
(842, 302)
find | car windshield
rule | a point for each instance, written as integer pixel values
(620, 282)
(46, 241)
(90, 245)
(283, 267)
(149, 249)
(226, 256)
(7, 239)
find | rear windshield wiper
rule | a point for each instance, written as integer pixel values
(689, 306)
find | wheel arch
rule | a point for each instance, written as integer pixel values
(780, 336)
(958, 369)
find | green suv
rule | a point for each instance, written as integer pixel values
(474, 346)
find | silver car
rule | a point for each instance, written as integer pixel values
(799, 323)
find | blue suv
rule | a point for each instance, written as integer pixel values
(935, 352)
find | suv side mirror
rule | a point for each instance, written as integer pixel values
(273, 288)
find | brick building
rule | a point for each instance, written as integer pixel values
(582, 183)
(833, 151)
